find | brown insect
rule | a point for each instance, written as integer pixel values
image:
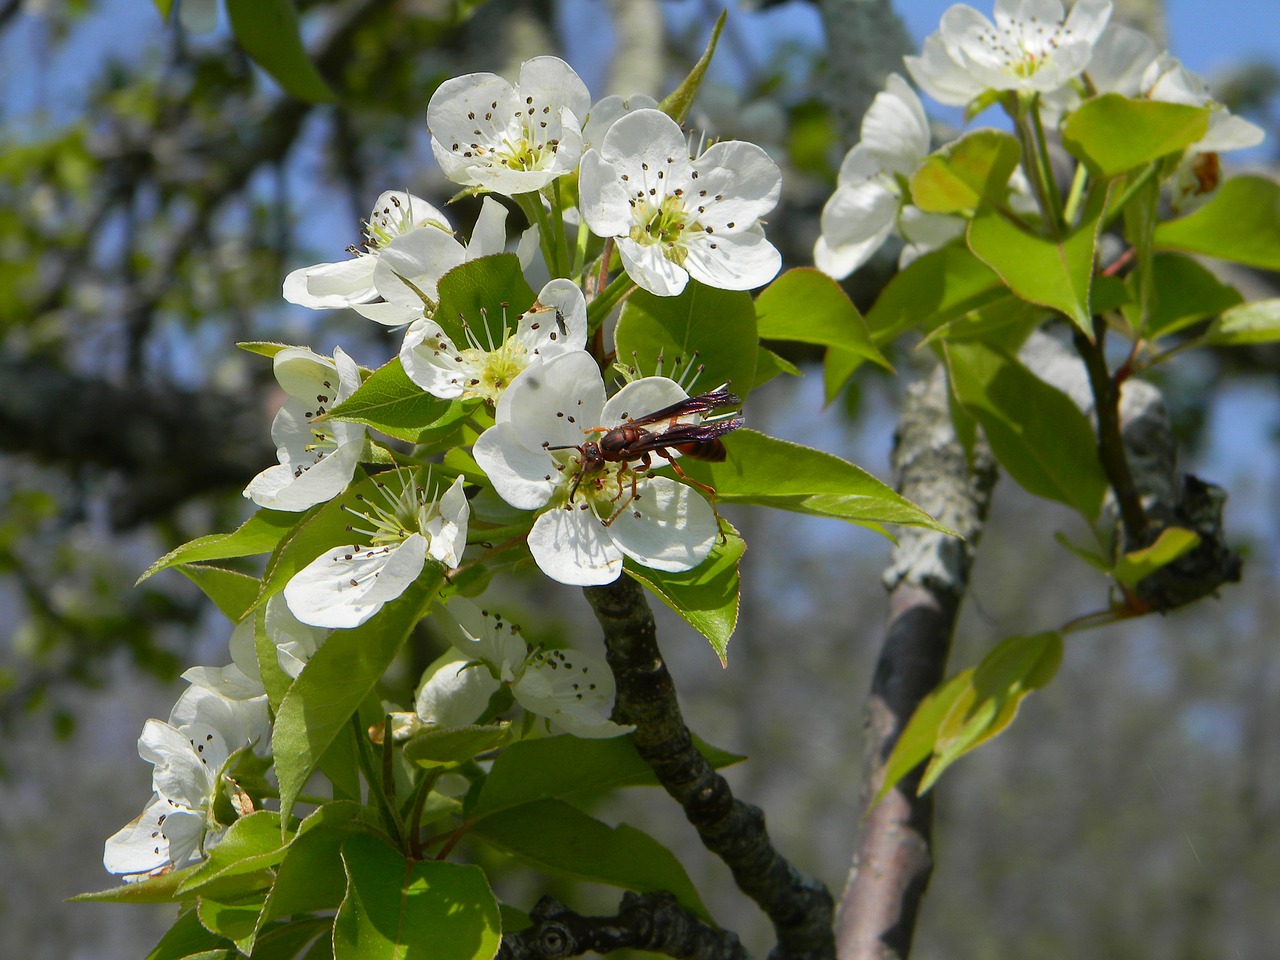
(640, 438)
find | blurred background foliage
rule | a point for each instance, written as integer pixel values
(155, 188)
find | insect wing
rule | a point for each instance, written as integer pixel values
(690, 406)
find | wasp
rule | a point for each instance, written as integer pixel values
(659, 433)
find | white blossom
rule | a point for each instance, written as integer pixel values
(483, 368)
(1032, 48)
(349, 282)
(572, 689)
(190, 754)
(868, 204)
(509, 139)
(674, 217)
(589, 520)
(317, 460)
(347, 585)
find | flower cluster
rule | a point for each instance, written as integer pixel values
(1034, 57)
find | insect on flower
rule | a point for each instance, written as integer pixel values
(634, 440)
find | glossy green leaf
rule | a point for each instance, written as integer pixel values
(568, 766)
(399, 909)
(1034, 429)
(486, 295)
(965, 173)
(1112, 133)
(283, 941)
(250, 844)
(270, 33)
(560, 840)
(916, 742)
(1172, 543)
(233, 592)
(311, 876)
(706, 596)
(1249, 323)
(1052, 274)
(261, 533)
(187, 938)
(332, 686)
(990, 695)
(234, 921)
(1241, 223)
(161, 889)
(769, 365)
(769, 472)
(1185, 293)
(667, 335)
(263, 348)
(393, 404)
(441, 746)
(1006, 321)
(677, 103)
(806, 306)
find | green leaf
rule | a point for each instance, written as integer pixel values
(250, 844)
(1034, 429)
(233, 592)
(1249, 323)
(261, 533)
(1006, 320)
(161, 889)
(283, 942)
(1052, 274)
(916, 742)
(399, 909)
(937, 287)
(568, 766)
(989, 697)
(1185, 294)
(1241, 223)
(391, 403)
(769, 472)
(263, 348)
(1172, 543)
(966, 173)
(441, 746)
(486, 294)
(769, 365)
(560, 840)
(677, 103)
(337, 679)
(1112, 133)
(806, 306)
(269, 32)
(234, 921)
(187, 938)
(706, 596)
(702, 325)
(311, 876)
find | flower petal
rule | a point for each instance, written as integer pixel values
(648, 267)
(734, 261)
(332, 285)
(347, 585)
(522, 477)
(571, 546)
(455, 695)
(668, 527)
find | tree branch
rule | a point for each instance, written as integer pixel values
(927, 580)
(645, 921)
(800, 907)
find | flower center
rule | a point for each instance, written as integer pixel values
(663, 222)
(1025, 46)
(398, 516)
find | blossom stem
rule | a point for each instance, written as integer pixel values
(1076, 194)
(599, 308)
(1131, 189)
(561, 240)
(532, 206)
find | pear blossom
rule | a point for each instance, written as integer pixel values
(509, 138)
(239, 680)
(1033, 47)
(348, 282)
(572, 689)
(556, 324)
(317, 460)
(867, 206)
(190, 754)
(347, 585)
(675, 217)
(588, 523)
(607, 111)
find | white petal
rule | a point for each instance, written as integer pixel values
(332, 285)
(839, 262)
(1229, 132)
(348, 585)
(641, 397)
(552, 80)
(858, 212)
(1120, 57)
(186, 832)
(747, 179)
(735, 261)
(602, 198)
(648, 267)
(419, 259)
(895, 129)
(560, 332)
(675, 529)
(296, 642)
(281, 488)
(430, 360)
(1088, 19)
(612, 108)
(448, 530)
(938, 74)
(479, 635)
(554, 401)
(455, 695)
(490, 233)
(237, 723)
(646, 137)
(229, 681)
(396, 212)
(571, 546)
(139, 846)
(180, 773)
(523, 477)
